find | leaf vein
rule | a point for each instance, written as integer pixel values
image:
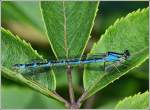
(65, 30)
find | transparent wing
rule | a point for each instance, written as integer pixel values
(97, 55)
(40, 76)
(38, 60)
(89, 56)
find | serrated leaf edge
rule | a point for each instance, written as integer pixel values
(134, 13)
(32, 84)
(116, 23)
(92, 24)
(97, 80)
(129, 97)
(46, 31)
(29, 46)
(21, 41)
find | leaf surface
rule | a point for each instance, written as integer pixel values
(17, 51)
(128, 33)
(68, 26)
(31, 99)
(138, 101)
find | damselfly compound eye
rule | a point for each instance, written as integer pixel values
(126, 54)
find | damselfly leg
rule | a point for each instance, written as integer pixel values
(104, 66)
(116, 67)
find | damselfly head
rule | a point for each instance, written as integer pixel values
(126, 54)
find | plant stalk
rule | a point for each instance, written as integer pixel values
(73, 104)
(67, 105)
(70, 84)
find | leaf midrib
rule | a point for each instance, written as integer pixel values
(65, 30)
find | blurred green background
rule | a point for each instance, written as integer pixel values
(24, 19)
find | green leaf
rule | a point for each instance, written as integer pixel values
(138, 101)
(8, 97)
(15, 51)
(68, 26)
(31, 99)
(128, 33)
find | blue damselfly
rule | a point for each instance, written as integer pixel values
(47, 64)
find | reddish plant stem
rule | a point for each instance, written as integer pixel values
(70, 84)
(73, 104)
(67, 104)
